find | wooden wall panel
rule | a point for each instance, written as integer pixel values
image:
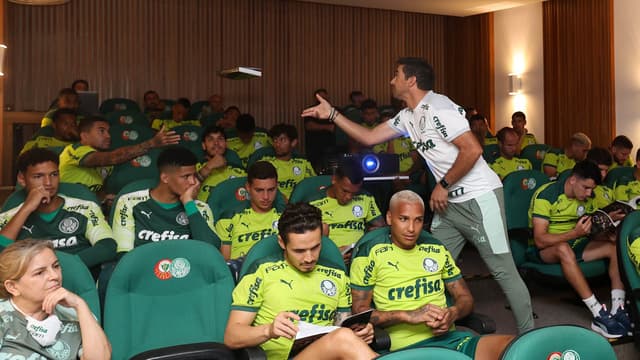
(578, 70)
(124, 48)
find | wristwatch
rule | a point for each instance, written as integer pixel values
(444, 183)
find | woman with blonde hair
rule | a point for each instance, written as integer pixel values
(37, 315)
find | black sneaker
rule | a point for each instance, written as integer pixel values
(607, 326)
(622, 317)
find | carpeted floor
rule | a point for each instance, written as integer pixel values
(558, 305)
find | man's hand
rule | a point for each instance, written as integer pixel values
(439, 199)
(364, 332)
(617, 215)
(583, 226)
(216, 162)
(320, 111)
(425, 315)
(442, 322)
(191, 192)
(283, 325)
(163, 138)
(35, 197)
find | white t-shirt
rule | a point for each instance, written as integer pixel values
(432, 126)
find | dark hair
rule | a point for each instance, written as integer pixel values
(425, 77)
(477, 117)
(502, 133)
(67, 91)
(622, 142)
(35, 156)
(232, 107)
(149, 92)
(286, 129)
(79, 81)
(638, 155)
(518, 114)
(175, 156)
(87, 123)
(298, 218)
(60, 112)
(369, 104)
(184, 102)
(213, 129)
(245, 123)
(351, 169)
(261, 170)
(587, 169)
(600, 156)
(353, 94)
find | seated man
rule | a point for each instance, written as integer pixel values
(291, 170)
(65, 131)
(480, 129)
(215, 170)
(405, 273)
(507, 162)
(73, 225)
(519, 123)
(89, 162)
(248, 139)
(630, 192)
(602, 194)
(153, 106)
(561, 234)
(67, 99)
(179, 112)
(214, 107)
(621, 148)
(554, 164)
(346, 210)
(295, 286)
(229, 118)
(168, 211)
(240, 231)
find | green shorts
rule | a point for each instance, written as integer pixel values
(577, 245)
(461, 341)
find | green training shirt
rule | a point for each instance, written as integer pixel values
(216, 177)
(347, 223)
(404, 280)
(503, 167)
(76, 227)
(44, 142)
(549, 202)
(244, 150)
(170, 123)
(273, 286)
(139, 219)
(73, 171)
(290, 173)
(244, 229)
(559, 161)
(629, 191)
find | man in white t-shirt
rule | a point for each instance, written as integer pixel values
(467, 200)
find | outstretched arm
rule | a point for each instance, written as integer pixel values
(361, 134)
(126, 153)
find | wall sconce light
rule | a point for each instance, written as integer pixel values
(3, 48)
(515, 84)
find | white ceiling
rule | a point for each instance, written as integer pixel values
(441, 7)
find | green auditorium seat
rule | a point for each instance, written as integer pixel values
(629, 231)
(535, 154)
(231, 196)
(423, 353)
(195, 111)
(191, 138)
(308, 187)
(129, 134)
(559, 342)
(77, 279)
(126, 118)
(164, 296)
(619, 176)
(142, 167)
(118, 104)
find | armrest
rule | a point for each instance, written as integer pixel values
(196, 351)
(482, 324)
(381, 340)
(250, 353)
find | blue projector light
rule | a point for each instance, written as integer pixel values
(370, 163)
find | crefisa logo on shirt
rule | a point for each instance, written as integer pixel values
(357, 211)
(430, 265)
(182, 218)
(69, 225)
(328, 288)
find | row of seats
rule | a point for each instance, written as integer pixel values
(123, 104)
(534, 153)
(171, 300)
